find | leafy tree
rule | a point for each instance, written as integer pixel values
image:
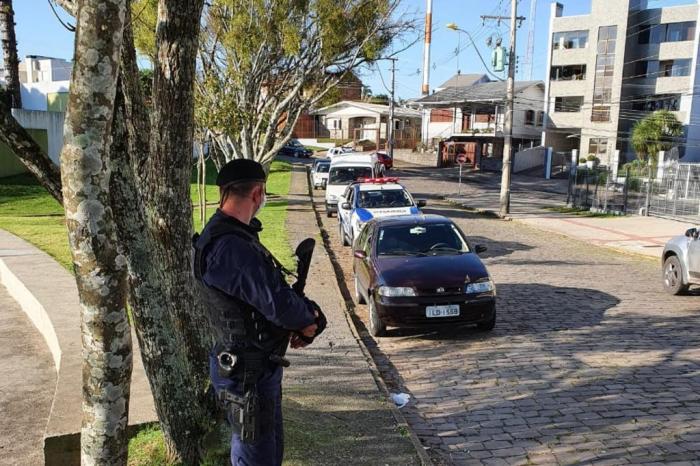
(264, 62)
(382, 99)
(145, 17)
(656, 132)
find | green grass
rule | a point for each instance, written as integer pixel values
(578, 211)
(28, 211)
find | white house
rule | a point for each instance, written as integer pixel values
(476, 114)
(44, 87)
(45, 82)
(357, 121)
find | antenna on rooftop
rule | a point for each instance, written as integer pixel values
(530, 56)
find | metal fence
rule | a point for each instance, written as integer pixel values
(672, 191)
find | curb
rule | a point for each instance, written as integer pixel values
(350, 318)
(478, 210)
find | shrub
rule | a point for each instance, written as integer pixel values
(582, 160)
(592, 158)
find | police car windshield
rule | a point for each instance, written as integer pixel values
(384, 199)
(323, 167)
(420, 240)
(346, 175)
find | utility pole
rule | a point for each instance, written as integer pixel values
(390, 123)
(510, 92)
(425, 89)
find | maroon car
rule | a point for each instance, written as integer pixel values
(384, 159)
(420, 270)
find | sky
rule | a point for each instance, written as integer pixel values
(40, 33)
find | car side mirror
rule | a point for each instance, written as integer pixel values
(345, 206)
(422, 203)
(692, 233)
(479, 248)
(359, 254)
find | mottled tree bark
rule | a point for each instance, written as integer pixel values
(99, 267)
(167, 194)
(9, 51)
(152, 201)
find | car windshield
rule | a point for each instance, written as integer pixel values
(420, 240)
(294, 143)
(384, 198)
(346, 175)
(323, 167)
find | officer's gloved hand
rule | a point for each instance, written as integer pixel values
(321, 323)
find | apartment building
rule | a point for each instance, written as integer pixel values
(610, 68)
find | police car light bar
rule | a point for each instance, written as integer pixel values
(391, 179)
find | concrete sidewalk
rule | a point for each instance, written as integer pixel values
(331, 382)
(48, 295)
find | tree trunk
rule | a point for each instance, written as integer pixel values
(9, 51)
(99, 267)
(30, 153)
(155, 227)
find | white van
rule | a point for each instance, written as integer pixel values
(343, 172)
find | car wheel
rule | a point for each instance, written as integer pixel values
(341, 232)
(673, 276)
(489, 324)
(329, 214)
(358, 296)
(377, 328)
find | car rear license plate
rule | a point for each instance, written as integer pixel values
(449, 310)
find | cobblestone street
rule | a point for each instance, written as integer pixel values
(590, 362)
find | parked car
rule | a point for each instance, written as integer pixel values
(681, 262)
(294, 148)
(385, 160)
(336, 151)
(372, 198)
(343, 172)
(319, 173)
(420, 270)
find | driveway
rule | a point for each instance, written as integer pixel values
(589, 362)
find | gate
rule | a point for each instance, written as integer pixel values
(561, 164)
(676, 194)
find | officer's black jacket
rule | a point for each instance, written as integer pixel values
(236, 267)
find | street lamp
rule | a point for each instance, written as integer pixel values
(456, 28)
(510, 87)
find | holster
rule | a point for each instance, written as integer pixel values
(244, 411)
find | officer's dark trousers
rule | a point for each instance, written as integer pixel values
(269, 447)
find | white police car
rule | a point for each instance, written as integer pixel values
(370, 198)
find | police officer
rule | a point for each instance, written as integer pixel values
(254, 314)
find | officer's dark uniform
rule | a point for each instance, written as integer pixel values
(259, 309)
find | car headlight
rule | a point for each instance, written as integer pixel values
(333, 197)
(396, 291)
(480, 287)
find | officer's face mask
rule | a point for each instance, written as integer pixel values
(262, 203)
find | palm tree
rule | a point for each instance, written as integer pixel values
(656, 132)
